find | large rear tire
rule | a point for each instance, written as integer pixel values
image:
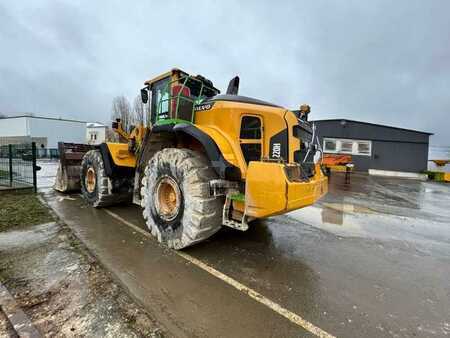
(176, 198)
(96, 187)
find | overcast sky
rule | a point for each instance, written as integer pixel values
(379, 61)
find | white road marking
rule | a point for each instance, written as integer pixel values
(293, 317)
(131, 225)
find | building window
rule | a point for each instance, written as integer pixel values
(364, 147)
(329, 145)
(345, 146)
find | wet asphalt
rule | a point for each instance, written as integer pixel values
(371, 259)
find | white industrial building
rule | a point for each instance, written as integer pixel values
(95, 133)
(45, 131)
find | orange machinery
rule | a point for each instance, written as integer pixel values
(338, 162)
(440, 175)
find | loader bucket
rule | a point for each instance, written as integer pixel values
(69, 169)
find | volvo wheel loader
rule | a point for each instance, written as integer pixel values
(202, 160)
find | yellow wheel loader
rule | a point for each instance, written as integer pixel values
(203, 160)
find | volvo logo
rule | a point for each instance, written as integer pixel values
(203, 107)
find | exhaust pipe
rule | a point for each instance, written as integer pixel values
(233, 86)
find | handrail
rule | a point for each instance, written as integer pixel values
(179, 97)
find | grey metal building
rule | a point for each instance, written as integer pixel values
(375, 146)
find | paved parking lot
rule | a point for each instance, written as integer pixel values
(371, 259)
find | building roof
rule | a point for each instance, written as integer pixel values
(373, 124)
(95, 125)
(41, 117)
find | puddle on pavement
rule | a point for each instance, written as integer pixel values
(35, 236)
(347, 207)
(339, 219)
(349, 220)
(382, 208)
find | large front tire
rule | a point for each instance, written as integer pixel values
(96, 186)
(176, 199)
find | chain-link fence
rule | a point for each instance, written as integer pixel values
(47, 153)
(18, 166)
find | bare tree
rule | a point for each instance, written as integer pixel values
(111, 136)
(121, 110)
(138, 110)
(141, 111)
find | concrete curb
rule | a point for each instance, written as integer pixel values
(18, 319)
(398, 174)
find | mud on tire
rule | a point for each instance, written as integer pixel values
(198, 215)
(96, 187)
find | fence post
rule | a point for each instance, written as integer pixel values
(10, 165)
(33, 152)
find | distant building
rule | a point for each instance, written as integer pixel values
(95, 133)
(45, 131)
(375, 146)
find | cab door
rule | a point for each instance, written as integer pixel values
(160, 100)
(251, 137)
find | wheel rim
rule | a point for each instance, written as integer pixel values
(91, 180)
(168, 198)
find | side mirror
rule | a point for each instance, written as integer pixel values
(144, 95)
(233, 86)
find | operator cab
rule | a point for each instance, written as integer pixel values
(174, 94)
